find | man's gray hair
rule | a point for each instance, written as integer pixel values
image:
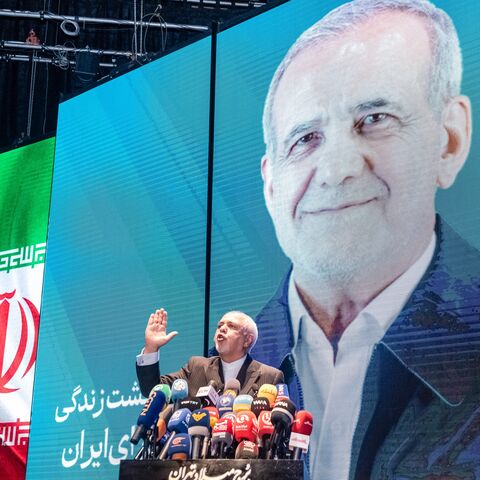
(446, 65)
(249, 325)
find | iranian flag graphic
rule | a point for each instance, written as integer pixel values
(25, 182)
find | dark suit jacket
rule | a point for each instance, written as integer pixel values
(199, 371)
(420, 412)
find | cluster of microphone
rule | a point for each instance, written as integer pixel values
(176, 426)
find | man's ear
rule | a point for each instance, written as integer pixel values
(266, 168)
(248, 341)
(456, 139)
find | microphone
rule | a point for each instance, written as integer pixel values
(232, 387)
(198, 429)
(281, 418)
(178, 423)
(246, 426)
(165, 389)
(246, 450)
(213, 420)
(260, 404)
(225, 404)
(254, 389)
(208, 395)
(230, 415)
(268, 391)
(301, 430)
(214, 415)
(148, 415)
(179, 391)
(180, 448)
(265, 431)
(282, 391)
(242, 403)
(191, 403)
(163, 420)
(222, 436)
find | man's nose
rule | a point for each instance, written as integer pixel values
(341, 158)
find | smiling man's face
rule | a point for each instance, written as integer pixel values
(357, 148)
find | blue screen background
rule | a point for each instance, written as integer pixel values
(126, 236)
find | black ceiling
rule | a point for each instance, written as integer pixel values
(33, 78)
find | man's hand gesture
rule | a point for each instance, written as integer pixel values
(156, 332)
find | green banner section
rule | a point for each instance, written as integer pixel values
(25, 183)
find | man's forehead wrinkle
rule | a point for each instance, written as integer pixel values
(379, 102)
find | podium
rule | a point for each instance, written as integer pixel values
(211, 470)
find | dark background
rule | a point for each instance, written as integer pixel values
(31, 90)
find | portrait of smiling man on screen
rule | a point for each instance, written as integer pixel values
(363, 122)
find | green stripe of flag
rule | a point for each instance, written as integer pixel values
(25, 183)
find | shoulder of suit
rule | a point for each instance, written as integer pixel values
(197, 360)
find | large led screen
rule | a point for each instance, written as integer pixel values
(353, 236)
(24, 203)
(126, 236)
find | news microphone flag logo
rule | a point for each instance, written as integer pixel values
(198, 416)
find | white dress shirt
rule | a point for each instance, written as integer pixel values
(333, 390)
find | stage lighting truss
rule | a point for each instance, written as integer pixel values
(63, 56)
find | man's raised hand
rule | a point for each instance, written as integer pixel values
(156, 332)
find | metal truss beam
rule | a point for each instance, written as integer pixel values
(43, 15)
(60, 48)
(26, 58)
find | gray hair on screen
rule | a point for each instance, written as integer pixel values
(446, 66)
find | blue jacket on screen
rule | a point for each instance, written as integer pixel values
(420, 412)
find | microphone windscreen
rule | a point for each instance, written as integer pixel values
(282, 390)
(231, 415)
(301, 431)
(190, 403)
(225, 404)
(283, 413)
(149, 414)
(179, 389)
(260, 404)
(223, 431)
(246, 450)
(179, 421)
(199, 424)
(214, 415)
(265, 426)
(245, 427)
(232, 387)
(268, 391)
(181, 446)
(151, 409)
(242, 403)
(303, 422)
(163, 420)
(166, 390)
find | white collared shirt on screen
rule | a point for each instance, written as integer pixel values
(333, 391)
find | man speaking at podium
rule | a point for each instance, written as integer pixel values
(235, 336)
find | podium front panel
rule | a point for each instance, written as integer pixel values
(211, 470)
